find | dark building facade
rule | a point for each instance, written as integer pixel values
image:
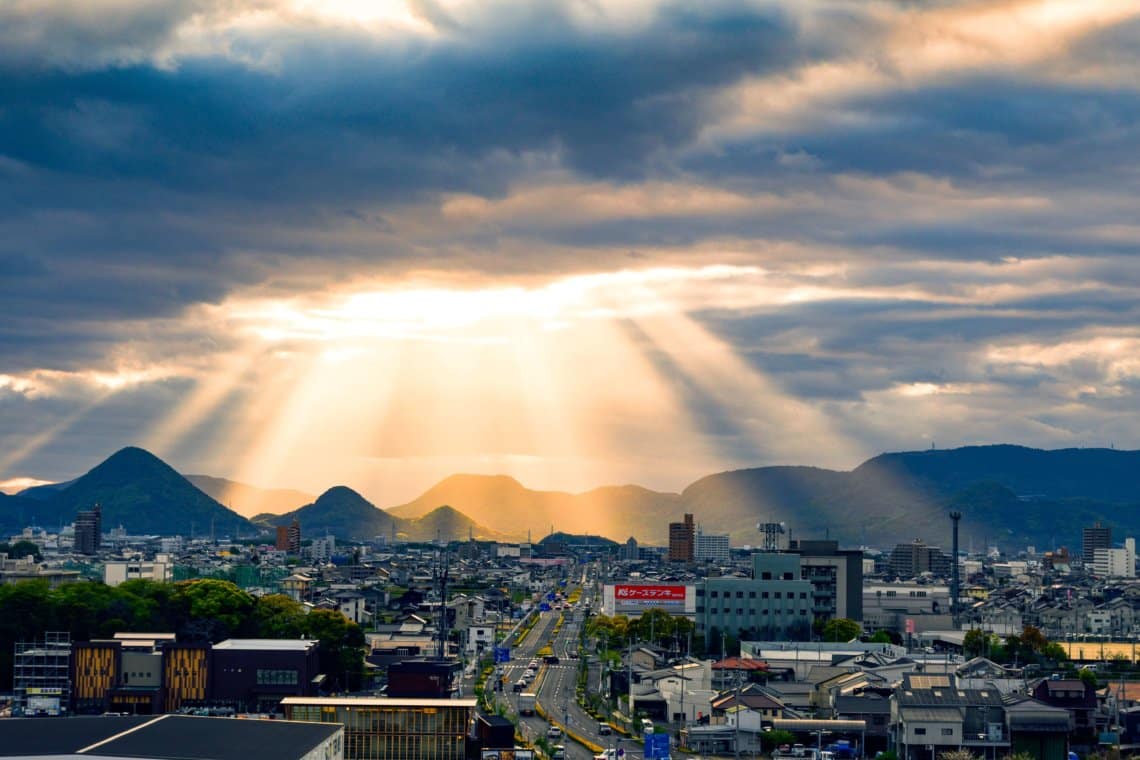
(256, 674)
(1096, 537)
(681, 539)
(422, 678)
(89, 530)
(836, 577)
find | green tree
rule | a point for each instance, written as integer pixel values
(341, 647)
(975, 643)
(881, 637)
(840, 629)
(21, 549)
(217, 609)
(279, 617)
(1087, 676)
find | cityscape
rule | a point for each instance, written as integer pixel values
(569, 379)
(563, 646)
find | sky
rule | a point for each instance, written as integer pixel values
(580, 242)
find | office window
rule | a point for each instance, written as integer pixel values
(920, 732)
(947, 732)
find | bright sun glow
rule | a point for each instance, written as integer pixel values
(561, 384)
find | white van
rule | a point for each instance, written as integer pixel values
(554, 732)
(646, 726)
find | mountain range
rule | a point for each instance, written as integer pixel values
(1010, 496)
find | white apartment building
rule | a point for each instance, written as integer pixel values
(710, 547)
(1116, 563)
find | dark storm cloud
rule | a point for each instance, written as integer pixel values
(132, 190)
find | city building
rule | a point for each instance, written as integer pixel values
(89, 530)
(255, 674)
(379, 728)
(1096, 537)
(159, 569)
(836, 577)
(289, 537)
(710, 547)
(933, 714)
(774, 603)
(906, 607)
(681, 536)
(914, 559)
(1116, 563)
(138, 674)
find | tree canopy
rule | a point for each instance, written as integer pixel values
(198, 610)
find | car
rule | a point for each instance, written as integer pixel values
(554, 732)
(519, 685)
(604, 729)
(551, 659)
(558, 752)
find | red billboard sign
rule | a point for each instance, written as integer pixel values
(646, 593)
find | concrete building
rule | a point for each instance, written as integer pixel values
(710, 547)
(913, 559)
(681, 537)
(1116, 563)
(836, 577)
(774, 603)
(889, 606)
(380, 728)
(159, 569)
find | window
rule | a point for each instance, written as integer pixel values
(803, 595)
(272, 677)
(947, 732)
(763, 594)
(739, 610)
(777, 594)
(765, 576)
(920, 731)
(751, 594)
(739, 594)
(712, 594)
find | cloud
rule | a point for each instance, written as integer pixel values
(911, 201)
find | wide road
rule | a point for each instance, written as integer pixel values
(557, 685)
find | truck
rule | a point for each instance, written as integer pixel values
(527, 702)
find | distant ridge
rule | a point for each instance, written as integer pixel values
(1011, 496)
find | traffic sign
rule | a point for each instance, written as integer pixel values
(656, 746)
(502, 654)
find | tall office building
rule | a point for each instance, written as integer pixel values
(89, 530)
(1096, 537)
(681, 535)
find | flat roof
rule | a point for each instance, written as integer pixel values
(181, 736)
(163, 737)
(379, 702)
(265, 645)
